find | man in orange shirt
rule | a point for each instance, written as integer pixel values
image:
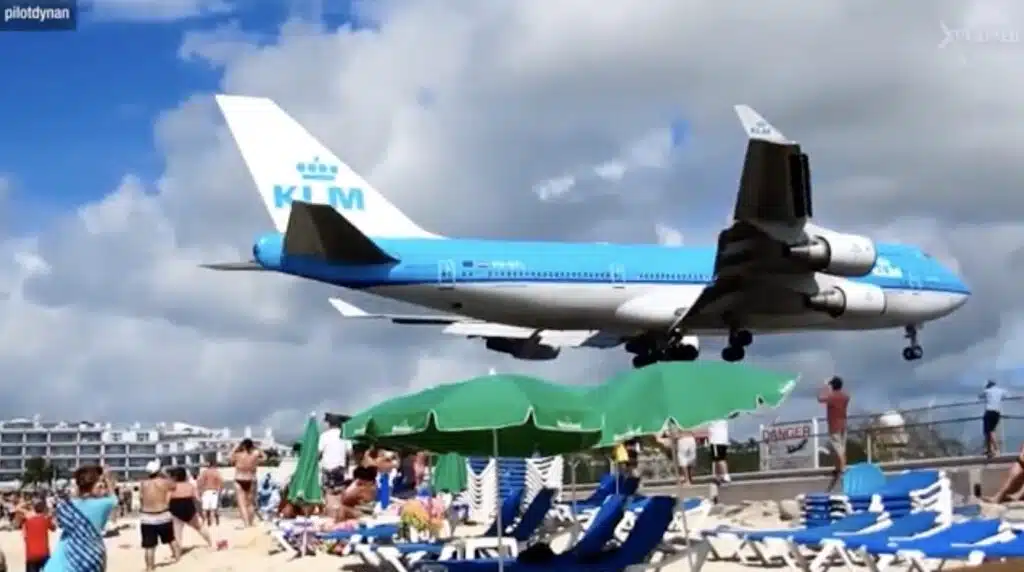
(836, 403)
(36, 531)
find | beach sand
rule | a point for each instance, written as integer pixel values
(250, 550)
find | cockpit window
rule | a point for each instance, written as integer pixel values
(926, 255)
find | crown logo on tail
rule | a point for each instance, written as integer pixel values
(317, 171)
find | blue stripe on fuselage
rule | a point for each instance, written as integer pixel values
(428, 261)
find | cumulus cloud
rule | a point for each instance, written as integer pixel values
(653, 150)
(105, 315)
(668, 236)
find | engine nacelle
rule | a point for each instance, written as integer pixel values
(849, 298)
(523, 349)
(837, 254)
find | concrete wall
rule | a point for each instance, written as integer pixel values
(754, 489)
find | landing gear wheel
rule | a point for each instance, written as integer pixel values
(682, 353)
(733, 353)
(741, 338)
(913, 353)
(914, 350)
(648, 358)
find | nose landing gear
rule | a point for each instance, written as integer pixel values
(738, 342)
(914, 351)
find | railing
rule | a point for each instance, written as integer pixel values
(923, 440)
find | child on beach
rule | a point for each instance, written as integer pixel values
(35, 530)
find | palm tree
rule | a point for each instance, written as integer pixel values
(37, 471)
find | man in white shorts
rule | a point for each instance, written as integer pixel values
(718, 438)
(334, 454)
(209, 484)
(681, 447)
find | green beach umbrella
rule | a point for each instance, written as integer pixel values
(517, 415)
(304, 486)
(687, 394)
(449, 473)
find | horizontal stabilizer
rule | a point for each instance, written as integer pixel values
(321, 231)
(234, 266)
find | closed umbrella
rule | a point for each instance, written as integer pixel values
(304, 485)
(449, 473)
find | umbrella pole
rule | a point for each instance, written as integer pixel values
(500, 501)
(573, 463)
(682, 502)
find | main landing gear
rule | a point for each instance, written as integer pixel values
(913, 351)
(736, 350)
(649, 352)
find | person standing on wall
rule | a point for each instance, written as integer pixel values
(681, 447)
(993, 397)
(836, 402)
(718, 439)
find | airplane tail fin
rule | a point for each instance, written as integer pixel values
(758, 128)
(290, 166)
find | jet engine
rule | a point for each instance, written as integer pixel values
(523, 349)
(837, 254)
(849, 298)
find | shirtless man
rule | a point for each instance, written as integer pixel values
(246, 458)
(155, 521)
(210, 483)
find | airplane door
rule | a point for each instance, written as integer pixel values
(913, 281)
(618, 276)
(446, 274)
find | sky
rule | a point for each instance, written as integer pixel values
(513, 119)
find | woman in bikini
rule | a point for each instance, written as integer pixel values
(183, 506)
(359, 493)
(246, 459)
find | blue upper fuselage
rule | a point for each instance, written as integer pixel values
(430, 261)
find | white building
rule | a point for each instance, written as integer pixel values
(125, 450)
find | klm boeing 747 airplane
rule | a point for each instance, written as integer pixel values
(773, 271)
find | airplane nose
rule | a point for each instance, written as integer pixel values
(960, 300)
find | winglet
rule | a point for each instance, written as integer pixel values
(348, 310)
(758, 128)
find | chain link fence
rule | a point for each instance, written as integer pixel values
(940, 431)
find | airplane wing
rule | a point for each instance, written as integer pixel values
(773, 206)
(472, 328)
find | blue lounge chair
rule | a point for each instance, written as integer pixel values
(642, 542)
(878, 554)
(400, 555)
(846, 546)
(594, 540)
(689, 517)
(758, 540)
(385, 533)
(1007, 544)
(610, 484)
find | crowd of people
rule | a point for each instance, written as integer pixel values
(350, 477)
(170, 500)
